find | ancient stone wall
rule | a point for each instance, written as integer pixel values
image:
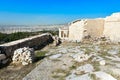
(112, 27)
(76, 30)
(36, 42)
(94, 27)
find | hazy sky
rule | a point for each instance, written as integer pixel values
(54, 11)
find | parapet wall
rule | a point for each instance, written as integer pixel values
(36, 42)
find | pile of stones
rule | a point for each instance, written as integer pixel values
(57, 40)
(23, 55)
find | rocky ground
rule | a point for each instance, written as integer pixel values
(77, 61)
(71, 61)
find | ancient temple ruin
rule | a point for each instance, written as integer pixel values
(93, 28)
(64, 33)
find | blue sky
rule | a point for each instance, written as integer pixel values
(36, 12)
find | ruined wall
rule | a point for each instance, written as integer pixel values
(94, 27)
(112, 27)
(36, 42)
(76, 30)
(79, 29)
(64, 33)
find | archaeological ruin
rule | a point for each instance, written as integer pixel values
(93, 28)
(35, 42)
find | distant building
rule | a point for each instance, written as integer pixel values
(93, 28)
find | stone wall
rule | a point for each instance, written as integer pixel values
(36, 42)
(112, 27)
(76, 30)
(94, 27)
(89, 27)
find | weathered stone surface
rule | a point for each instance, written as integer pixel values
(82, 77)
(81, 57)
(76, 31)
(23, 55)
(104, 76)
(113, 51)
(55, 56)
(2, 56)
(5, 61)
(85, 68)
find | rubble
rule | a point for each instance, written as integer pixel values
(81, 57)
(57, 40)
(23, 55)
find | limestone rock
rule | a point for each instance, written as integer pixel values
(24, 63)
(81, 57)
(113, 52)
(82, 77)
(85, 68)
(23, 55)
(104, 76)
(55, 56)
(102, 62)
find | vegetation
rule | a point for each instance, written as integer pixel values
(40, 53)
(20, 35)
